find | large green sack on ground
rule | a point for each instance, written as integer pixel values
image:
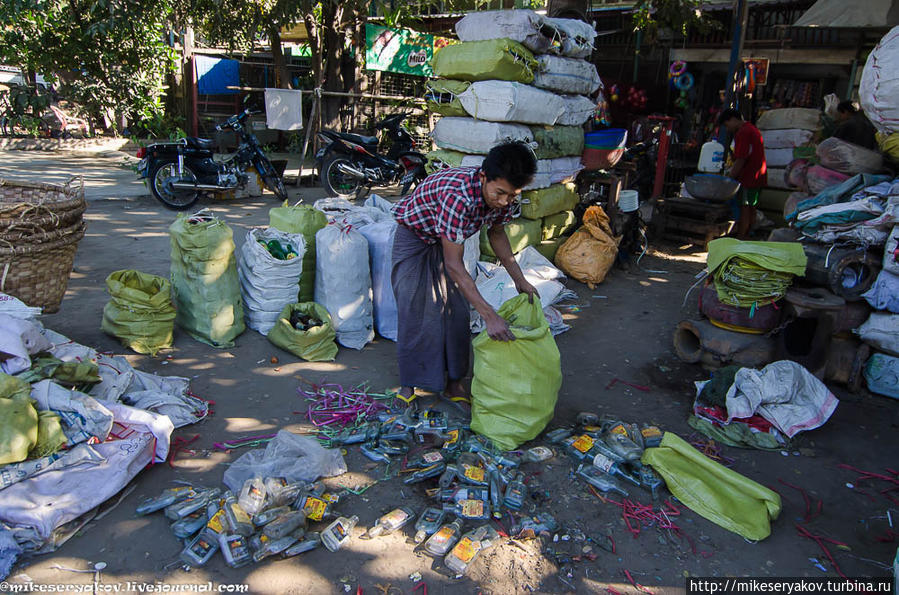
(712, 490)
(305, 220)
(516, 383)
(548, 248)
(556, 226)
(314, 345)
(18, 420)
(536, 204)
(494, 59)
(521, 233)
(139, 312)
(205, 287)
(558, 141)
(443, 97)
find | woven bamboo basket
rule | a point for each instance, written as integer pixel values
(42, 207)
(38, 272)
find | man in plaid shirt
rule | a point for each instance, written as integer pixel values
(432, 287)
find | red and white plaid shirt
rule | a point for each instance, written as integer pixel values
(449, 204)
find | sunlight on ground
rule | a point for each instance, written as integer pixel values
(246, 424)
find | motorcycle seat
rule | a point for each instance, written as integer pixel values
(359, 139)
(202, 144)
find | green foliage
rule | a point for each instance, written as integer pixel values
(109, 56)
(239, 24)
(678, 16)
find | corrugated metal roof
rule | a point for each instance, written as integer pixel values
(870, 14)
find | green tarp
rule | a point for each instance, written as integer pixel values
(140, 311)
(536, 204)
(305, 220)
(443, 97)
(515, 383)
(494, 59)
(556, 226)
(521, 233)
(316, 344)
(558, 141)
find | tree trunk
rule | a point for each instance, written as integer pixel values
(282, 78)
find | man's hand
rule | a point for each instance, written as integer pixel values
(524, 287)
(498, 328)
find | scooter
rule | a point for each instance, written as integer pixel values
(349, 164)
(179, 171)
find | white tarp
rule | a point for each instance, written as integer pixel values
(506, 101)
(566, 75)
(267, 283)
(476, 136)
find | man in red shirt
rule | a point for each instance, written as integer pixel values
(749, 168)
(432, 287)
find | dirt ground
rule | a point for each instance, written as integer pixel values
(621, 330)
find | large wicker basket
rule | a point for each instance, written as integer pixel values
(40, 226)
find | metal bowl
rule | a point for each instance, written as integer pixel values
(711, 187)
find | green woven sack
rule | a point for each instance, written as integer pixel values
(140, 311)
(493, 59)
(313, 345)
(556, 226)
(305, 220)
(548, 248)
(440, 158)
(713, 491)
(205, 287)
(18, 420)
(536, 204)
(516, 383)
(443, 97)
(521, 233)
(558, 141)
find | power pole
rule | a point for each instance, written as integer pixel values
(741, 16)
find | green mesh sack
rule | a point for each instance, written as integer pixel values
(443, 97)
(493, 59)
(516, 383)
(556, 226)
(304, 220)
(536, 204)
(316, 344)
(521, 233)
(205, 287)
(558, 141)
(139, 312)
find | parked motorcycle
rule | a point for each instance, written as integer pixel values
(178, 171)
(349, 164)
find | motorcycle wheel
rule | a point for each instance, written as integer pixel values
(418, 176)
(270, 178)
(336, 183)
(161, 178)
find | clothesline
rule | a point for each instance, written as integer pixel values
(319, 92)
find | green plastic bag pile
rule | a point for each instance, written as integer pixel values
(443, 97)
(205, 287)
(516, 383)
(493, 59)
(25, 432)
(305, 220)
(713, 491)
(316, 344)
(750, 274)
(140, 311)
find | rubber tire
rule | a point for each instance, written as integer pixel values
(169, 205)
(270, 178)
(331, 163)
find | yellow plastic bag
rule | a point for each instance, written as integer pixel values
(713, 491)
(590, 252)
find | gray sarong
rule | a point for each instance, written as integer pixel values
(433, 335)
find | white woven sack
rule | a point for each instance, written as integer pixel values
(343, 283)
(891, 252)
(522, 25)
(576, 36)
(505, 101)
(566, 75)
(543, 176)
(380, 249)
(266, 283)
(878, 91)
(778, 157)
(555, 171)
(578, 110)
(786, 139)
(881, 331)
(848, 158)
(790, 118)
(777, 178)
(476, 136)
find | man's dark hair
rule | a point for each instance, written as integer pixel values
(514, 162)
(847, 107)
(728, 114)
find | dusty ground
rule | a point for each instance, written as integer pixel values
(624, 335)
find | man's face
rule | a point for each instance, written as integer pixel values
(733, 124)
(498, 193)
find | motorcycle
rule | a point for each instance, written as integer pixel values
(178, 171)
(349, 164)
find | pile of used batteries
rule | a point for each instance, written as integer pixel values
(608, 451)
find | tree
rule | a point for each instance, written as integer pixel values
(677, 16)
(110, 56)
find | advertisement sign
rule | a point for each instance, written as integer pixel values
(398, 50)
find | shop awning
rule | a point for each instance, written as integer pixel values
(870, 14)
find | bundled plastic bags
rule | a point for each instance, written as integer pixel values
(314, 344)
(476, 136)
(205, 287)
(536, 204)
(380, 249)
(343, 283)
(503, 101)
(516, 383)
(140, 312)
(495, 59)
(304, 220)
(591, 251)
(713, 491)
(269, 283)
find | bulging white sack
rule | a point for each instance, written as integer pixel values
(578, 110)
(476, 136)
(566, 75)
(522, 25)
(506, 101)
(267, 283)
